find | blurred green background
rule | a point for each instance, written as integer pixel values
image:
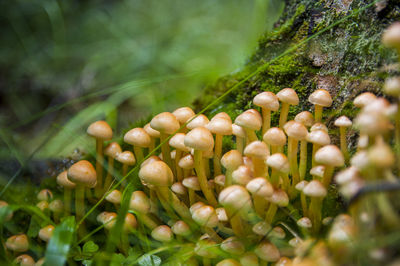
(64, 64)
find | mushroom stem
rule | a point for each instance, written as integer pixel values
(179, 171)
(259, 205)
(147, 221)
(303, 204)
(286, 183)
(386, 209)
(192, 196)
(292, 156)
(199, 166)
(274, 149)
(314, 150)
(99, 168)
(166, 152)
(397, 137)
(228, 177)
(236, 224)
(110, 170)
(327, 178)
(315, 213)
(153, 201)
(250, 135)
(217, 154)
(260, 168)
(206, 164)
(283, 115)
(206, 261)
(303, 159)
(266, 115)
(318, 113)
(124, 172)
(138, 153)
(343, 142)
(166, 205)
(152, 144)
(67, 201)
(213, 235)
(269, 216)
(174, 201)
(80, 207)
(240, 144)
(274, 177)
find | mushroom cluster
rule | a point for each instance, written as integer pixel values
(263, 201)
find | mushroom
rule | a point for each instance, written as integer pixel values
(197, 121)
(10, 214)
(114, 197)
(187, 164)
(231, 161)
(101, 131)
(240, 136)
(45, 195)
(220, 127)
(24, 260)
(228, 262)
(276, 139)
(207, 249)
(180, 228)
(140, 204)
(56, 207)
(67, 185)
(258, 152)
(318, 138)
(343, 123)
(300, 186)
(46, 232)
(183, 115)
(330, 156)
(162, 233)
(364, 99)
(250, 121)
(318, 172)
(249, 259)
(167, 124)
(192, 183)
(154, 134)
(391, 36)
(201, 140)
(280, 168)
(111, 151)
(268, 102)
(267, 251)
(178, 142)
(83, 174)
(304, 223)
(295, 132)
(242, 175)
(320, 98)
(307, 119)
(317, 192)
(288, 97)
(233, 246)
(18, 243)
(278, 199)
(207, 218)
(127, 159)
(260, 188)
(139, 139)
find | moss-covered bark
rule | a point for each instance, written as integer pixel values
(346, 60)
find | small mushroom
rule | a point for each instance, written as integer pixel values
(250, 121)
(268, 102)
(343, 123)
(276, 139)
(111, 151)
(320, 98)
(139, 139)
(287, 97)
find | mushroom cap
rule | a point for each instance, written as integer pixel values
(259, 186)
(275, 137)
(315, 189)
(242, 175)
(364, 99)
(151, 159)
(381, 155)
(206, 248)
(347, 175)
(319, 126)
(267, 251)
(238, 131)
(100, 130)
(165, 123)
(107, 219)
(180, 228)
(301, 185)
(329, 155)
(42, 205)
(261, 228)
(228, 262)
(306, 118)
(257, 149)
(232, 159)
(137, 137)
(199, 138)
(195, 206)
(24, 260)
(17, 243)
(279, 197)
(162, 233)
(82, 173)
(391, 36)
(319, 137)
(278, 232)
(46, 232)
(179, 188)
(199, 121)
(279, 162)
(295, 130)
(220, 180)
(249, 259)
(350, 189)
(139, 202)
(183, 114)
(205, 216)
(220, 126)
(4, 204)
(152, 132)
(112, 150)
(192, 183)
(63, 180)
(233, 245)
(304, 222)
(221, 213)
(320, 97)
(126, 157)
(156, 173)
(372, 123)
(56, 206)
(178, 142)
(45, 194)
(114, 197)
(343, 121)
(318, 171)
(235, 198)
(392, 86)
(186, 162)
(377, 106)
(360, 160)
(222, 115)
(130, 222)
(250, 119)
(267, 100)
(289, 96)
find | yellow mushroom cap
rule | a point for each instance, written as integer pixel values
(222, 115)
(364, 99)
(139, 202)
(275, 137)
(320, 97)
(165, 123)
(126, 157)
(179, 188)
(238, 131)
(392, 86)
(220, 126)
(181, 228)
(156, 173)
(199, 138)
(235, 198)
(259, 186)
(228, 262)
(192, 183)
(82, 173)
(250, 119)
(318, 171)
(233, 245)
(186, 162)
(381, 155)
(56, 206)
(232, 159)
(343, 121)
(100, 130)
(267, 251)
(220, 180)
(304, 222)
(137, 137)
(267, 100)
(112, 150)
(151, 159)
(183, 114)
(18, 243)
(45, 194)
(315, 189)
(391, 36)
(114, 197)
(46, 232)
(295, 130)
(24, 260)
(329, 155)
(162, 233)
(257, 149)
(301, 185)
(199, 121)
(178, 142)
(108, 219)
(205, 216)
(249, 259)
(319, 126)
(319, 137)
(130, 222)
(242, 175)
(289, 96)
(347, 175)
(279, 197)
(279, 162)
(221, 213)
(306, 118)
(152, 132)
